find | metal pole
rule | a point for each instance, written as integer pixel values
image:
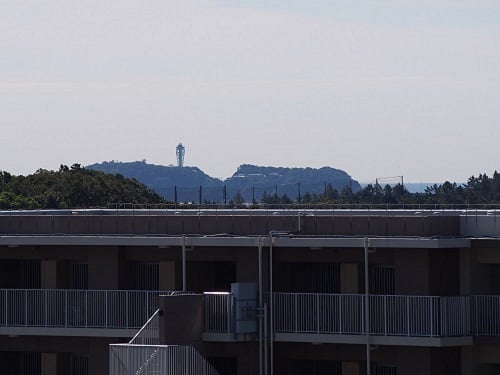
(265, 338)
(271, 312)
(260, 306)
(367, 311)
(183, 263)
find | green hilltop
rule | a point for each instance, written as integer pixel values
(71, 187)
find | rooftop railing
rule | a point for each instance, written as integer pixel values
(76, 308)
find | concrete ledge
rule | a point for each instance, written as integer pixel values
(227, 337)
(374, 340)
(76, 332)
(223, 241)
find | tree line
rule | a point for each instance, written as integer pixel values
(77, 187)
(71, 187)
(480, 190)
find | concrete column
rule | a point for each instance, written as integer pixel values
(351, 368)
(465, 272)
(167, 276)
(49, 363)
(48, 273)
(349, 278)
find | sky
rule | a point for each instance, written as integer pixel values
(377, 88)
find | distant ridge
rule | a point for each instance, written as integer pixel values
(250, 181)
(160, 178)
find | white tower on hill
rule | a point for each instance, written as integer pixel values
(180, 151)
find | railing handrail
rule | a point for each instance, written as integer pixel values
(362, 294)
(95, 290)
(145, 326)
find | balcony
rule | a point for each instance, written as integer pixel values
(393, 320)
(297, 317)
(104, 313)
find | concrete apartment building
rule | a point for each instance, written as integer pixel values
(275, 292)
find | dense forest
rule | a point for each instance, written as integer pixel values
(77, 187)
(71, 187)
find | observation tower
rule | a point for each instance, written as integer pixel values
(180, 151)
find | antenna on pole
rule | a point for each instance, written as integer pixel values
(180, 151)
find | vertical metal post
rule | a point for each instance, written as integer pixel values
(183, 263)
(432, 315)
(46, 303)
(265, 339)
(66, 309)
(407, 315)
(228, 313)
(259, 250)
(317, 313)
(25, 307)
(271, 297)
(6, 307)
(367, 309)
(126, 309)
(106, 299)
(87, 309)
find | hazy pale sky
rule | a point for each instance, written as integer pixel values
(374, 87)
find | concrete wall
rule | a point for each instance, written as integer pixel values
(243, 225)
(181, 319)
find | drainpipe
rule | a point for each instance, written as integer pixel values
(271, 304)
(367, 310)
(260, 309)
(265, 339)
(184, 263)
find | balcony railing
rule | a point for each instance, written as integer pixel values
(157, 359)
(485, 312)
(389, 315)
(76, 308)
(219, 312)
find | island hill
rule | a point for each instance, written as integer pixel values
(248, 182)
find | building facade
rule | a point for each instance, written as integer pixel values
(323, 291)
